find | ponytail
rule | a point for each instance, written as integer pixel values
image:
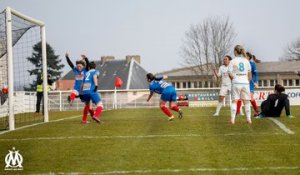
(239, 50)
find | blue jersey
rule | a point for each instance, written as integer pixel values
(88, 82)
(254, 73)
(79, 75)
(158, 86)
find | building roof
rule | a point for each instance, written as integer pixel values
(262, 67)
(130, 71)
(278, 67)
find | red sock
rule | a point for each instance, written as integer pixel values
(98, 112)
(253, 102)
(175, 108)
(92, 112)
(73, 96)
(238, 106)
(166, 111)
(85, 112)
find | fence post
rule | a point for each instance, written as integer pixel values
(60, 101)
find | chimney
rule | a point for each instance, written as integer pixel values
(137, 58)
(105, 59)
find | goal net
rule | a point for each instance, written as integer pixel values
(19, 34)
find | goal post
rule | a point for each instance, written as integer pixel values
(29, 23)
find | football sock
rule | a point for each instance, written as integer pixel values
(85, 112)
(219, 106)
(73, 96)
(166, 111)
(233, 112)
(175, 108)
(91, 110)
(98, 112)
(253, 102)
(238, 108)
(248, 111)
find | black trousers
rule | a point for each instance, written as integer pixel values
(39, 97)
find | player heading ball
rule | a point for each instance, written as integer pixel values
(158, 85)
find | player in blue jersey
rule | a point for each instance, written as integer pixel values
(253, 84)
(82, 66)
(158, 85)
(89, 93)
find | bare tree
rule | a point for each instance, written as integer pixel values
(207, 42)
(292, 51)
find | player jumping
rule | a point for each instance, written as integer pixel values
(158, 85)
(89, 92)
(240, 72)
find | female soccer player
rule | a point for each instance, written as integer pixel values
(253, 85)
(89, 93)
(274, 104)
(240, 73)
(82, 66)
(158, 85)
(226, 82)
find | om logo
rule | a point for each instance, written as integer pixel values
(13, 160)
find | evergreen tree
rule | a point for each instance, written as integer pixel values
(54, 65)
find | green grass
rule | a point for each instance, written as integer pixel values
(131, 140)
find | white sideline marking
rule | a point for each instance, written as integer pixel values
(132, 136)
(148, 171)
(281, 126)
(28, 126)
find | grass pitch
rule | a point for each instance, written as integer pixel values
(142, 141)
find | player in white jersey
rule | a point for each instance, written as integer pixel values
(240, 73)
(226, 82)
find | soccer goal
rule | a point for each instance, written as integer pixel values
(20, 37)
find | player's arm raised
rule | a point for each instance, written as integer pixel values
(69, 61)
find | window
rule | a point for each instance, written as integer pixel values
(290, 83)
(189, 84)
(177, 85)
(195, 84)
(272, 83)
(260, 83)
(206, 84)
(297, 82)
(285, 82)
(184, 85)
(265, 83)
(173, 83)
(200, 84)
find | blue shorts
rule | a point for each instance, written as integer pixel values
(77, 88)
(169, 94)
(95, 97)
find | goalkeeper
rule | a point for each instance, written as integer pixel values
(274, 104)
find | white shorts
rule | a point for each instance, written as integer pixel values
(240, 91)
(225, 90)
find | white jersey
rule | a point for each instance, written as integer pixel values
(223, 73)
(239, 67)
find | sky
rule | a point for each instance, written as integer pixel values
(154, 29)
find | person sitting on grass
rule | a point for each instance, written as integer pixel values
(274, 104)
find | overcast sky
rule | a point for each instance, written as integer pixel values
(155, 29)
